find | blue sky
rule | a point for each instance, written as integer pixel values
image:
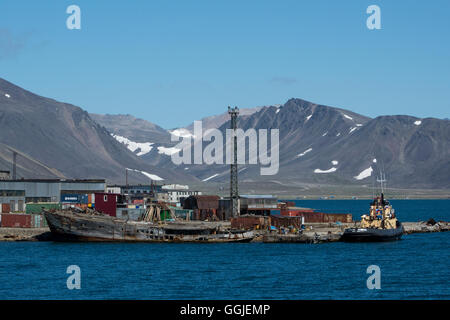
(171, 62)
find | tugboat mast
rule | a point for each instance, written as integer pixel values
(382, 180)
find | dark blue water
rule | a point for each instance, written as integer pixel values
(416, 267)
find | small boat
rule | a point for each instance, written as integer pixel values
(70, 225)
(380, 225)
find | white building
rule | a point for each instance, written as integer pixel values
(175, 187)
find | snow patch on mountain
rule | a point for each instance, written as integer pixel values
(364, 174)
(144, 147)
(333, 169)
(183, 133)
(209, 178)
(153, 177)
(304, 152)
(346, 116)
(168, 151)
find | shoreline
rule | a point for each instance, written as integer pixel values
(313, 233)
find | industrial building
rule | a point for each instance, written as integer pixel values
(136, 190)
(172, 193)
(176, 193)
(257, 204)
(204, 207)
(4, 175)
(16, 193)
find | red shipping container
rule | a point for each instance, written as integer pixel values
(106, 203)
(6, 208)
(294, 212)
(311, 217)
(250, 222)
(16, 220)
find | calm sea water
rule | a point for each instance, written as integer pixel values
(416, 267)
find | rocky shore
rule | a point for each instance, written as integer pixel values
(25, 234)
(426, 226)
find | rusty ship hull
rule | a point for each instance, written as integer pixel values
(69, 226)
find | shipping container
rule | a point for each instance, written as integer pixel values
(14, 220)
(106, 203)
(36, 220)
(6, 208)
(70, 198)
(84, 199)
(318, 217)
(37, 207)
(165, 215)
(250, 222)
(279, 221)
(338, 217)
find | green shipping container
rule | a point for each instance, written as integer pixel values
(165, 215)
(37, 207)
(38, 221)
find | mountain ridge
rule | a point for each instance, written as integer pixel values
(318, 144)
(64, 137)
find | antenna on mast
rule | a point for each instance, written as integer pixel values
(382, 180)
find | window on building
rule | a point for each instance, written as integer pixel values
(105, 198)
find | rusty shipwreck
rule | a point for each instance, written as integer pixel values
(90, 225)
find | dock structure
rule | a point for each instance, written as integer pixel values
(234, 192)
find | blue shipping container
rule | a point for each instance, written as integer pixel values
(84, 199)
(70, 198)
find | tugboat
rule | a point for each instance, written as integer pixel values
(380, 225)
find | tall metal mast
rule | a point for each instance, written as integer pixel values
(234, 192)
